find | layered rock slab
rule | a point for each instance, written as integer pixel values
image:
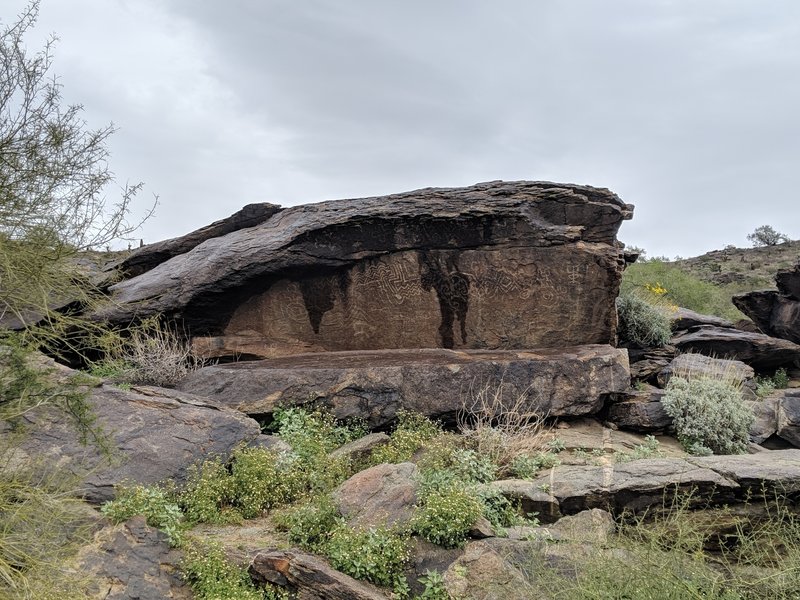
(496, 265)
(434, 382)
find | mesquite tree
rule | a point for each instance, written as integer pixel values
(54, 175)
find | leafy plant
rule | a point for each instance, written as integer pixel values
(154, 503)
(410, 434)
(435, 588)
(526, 466)
(765, 385)
(376, 555)
(309, 524)
(212, 577)
(708, 414)
(649, 449)
(447, 514)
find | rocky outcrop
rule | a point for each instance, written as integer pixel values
(436, 383)
(309, 577)
(762, 352)
(694, 366)
(777, 313)
(495, 265)
(150, 256)
(640, 411)
(143, 435)
(683, 318)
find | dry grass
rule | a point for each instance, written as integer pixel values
(502, 425)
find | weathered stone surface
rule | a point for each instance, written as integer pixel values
(639, 484)
(486, 571)
(495, 265)
(760, 351)
(133, 561)
(154, 434)
(698, 365)
(683, 318)
(481, 529)
(360, 449)
(789, 415)
(777, 313)
(150, 256)
(309, 576)
(641, 411)
(434, 382)
(532, 498)
(381, 495)
(633, 486)
(766, 419)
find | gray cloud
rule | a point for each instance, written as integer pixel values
(687, 110)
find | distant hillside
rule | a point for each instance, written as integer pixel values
(706, 283)
(743, 269)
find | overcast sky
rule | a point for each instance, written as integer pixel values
(688, 109)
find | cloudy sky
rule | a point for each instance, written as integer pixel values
(688, 109)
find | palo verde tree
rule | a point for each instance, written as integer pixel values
(765, 235)
(54, 175)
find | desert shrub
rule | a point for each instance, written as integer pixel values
(765, 385)
(642, 321)
(447, 514)
(156, 504)
(708, 415)
(315, 433)
(435, 588)
(376, 555)
(500, 428)
(149, 353)
(411, 433)
(262, 479)
(208, 493)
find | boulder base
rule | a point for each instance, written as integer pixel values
(435, 382)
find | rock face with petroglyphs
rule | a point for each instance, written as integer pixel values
(494, 266)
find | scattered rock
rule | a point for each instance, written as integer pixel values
(494, 265)
(789, 415)
(589, 526)
(153, 434)
(646, 363)
(381, 495)
(133, 561)
(482, 529)
(433, 382)
(766, 421)
(534, 497)
(641, 411)
(360, 450)
(311, 577)
(762, 352)
(484, 572)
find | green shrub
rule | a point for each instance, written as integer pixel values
(309, 525)
(212, 577)
(154, 503)
(262, 479)
(208, 493)
(435, 588)
(316, 433)
(642, 322)
(376, 555)
(411, 433)
(447, 514)
(708, 415)
(765, 385)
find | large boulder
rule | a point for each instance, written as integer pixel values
(496, 265)
(382, 495)
(777, 313)
(143, 435)
(434, 382)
